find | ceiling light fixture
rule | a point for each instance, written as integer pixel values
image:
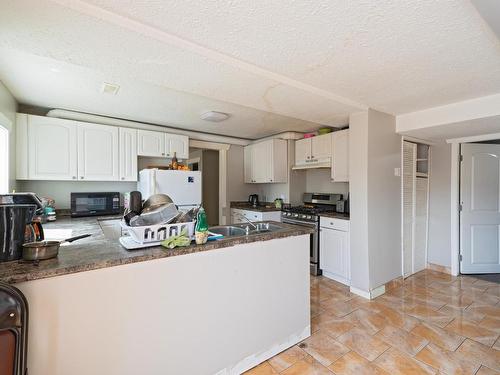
(110, 88)
(214, 116)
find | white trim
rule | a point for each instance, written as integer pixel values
(337, 278)
(455, 212)
(417, 140)
(252, 361)
(475, 138)
(374, 293)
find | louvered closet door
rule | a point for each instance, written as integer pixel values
(409, 198)
(420, 227)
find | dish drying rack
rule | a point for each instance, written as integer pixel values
(152, 235)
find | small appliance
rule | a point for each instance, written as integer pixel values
(253, 199)
(308, 215)
(95, 204)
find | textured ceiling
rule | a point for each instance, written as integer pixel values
(313, 61)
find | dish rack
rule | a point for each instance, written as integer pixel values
(157, 233)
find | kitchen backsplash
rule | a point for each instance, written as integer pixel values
(319, 180)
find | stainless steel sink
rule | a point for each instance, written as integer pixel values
(228, 230)
(245, 229)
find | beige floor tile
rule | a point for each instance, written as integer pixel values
(473, 331)
(287, 358)
(426, 300)
(334, 326)
(361, 342)
(307, 366)
(429, 315)
(263, 369)
(490, 323)
(323, 348)
(462, 312)
(494, 290)
(398, 363)
(480, 353)
(340, 308)
(395, 317)
(370, 321)
(445, 339)
(487, 299)
(354, 364)
(492, 311)
(496, 345)
(316, 309)
(487, 371)
(445, 361)
(402, 340)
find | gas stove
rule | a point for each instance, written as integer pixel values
(306, 212)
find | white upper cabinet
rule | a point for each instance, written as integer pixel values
(302, 150)
(178, 144)
(97, 152)
(150, 143)
(266, 162)
(321, 146)
(21, 146)
(340, 158)
(313, 149)
(128, 154)
(52, 151)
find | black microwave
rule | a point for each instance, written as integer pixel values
(95, 204)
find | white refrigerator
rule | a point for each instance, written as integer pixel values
(183, 187)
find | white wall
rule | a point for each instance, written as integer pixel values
(384, 203)
(439, 243)
(8, 107)
(375, 231)
(320, 180)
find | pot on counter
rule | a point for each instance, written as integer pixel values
(46, 249)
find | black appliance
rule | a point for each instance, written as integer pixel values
(13, 331)
(95, 204)
(314, 205)
(13, 221)
(253, 199)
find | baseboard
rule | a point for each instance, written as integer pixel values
(374, 293)
(253, 360)
(395, 283)
(439, 268)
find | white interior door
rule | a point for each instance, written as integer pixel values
(409, 197)
(480, 214)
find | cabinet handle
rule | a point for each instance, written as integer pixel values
(123, 178)
(162, 154)
(74, 177)
(81, 178)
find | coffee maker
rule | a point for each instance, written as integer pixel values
(17, 211)
(253, 200)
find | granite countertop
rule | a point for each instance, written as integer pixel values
(263, 207)
(336, 215)
(99, 252)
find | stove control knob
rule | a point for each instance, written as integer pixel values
(308, 217)
(295, 215)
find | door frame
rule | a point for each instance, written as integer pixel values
(455, 194)
(222, 148)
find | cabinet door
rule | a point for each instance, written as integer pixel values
(128, 154)
(150, 143)
(302, 150)
(52, 152)
(247, 162)
(340, 159)
(334, 254)
(97, 152)
(21, 146)
(321, 146)
(178, 144)
(262, 163)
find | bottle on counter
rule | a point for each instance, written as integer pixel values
(201, 228)
(175, 162)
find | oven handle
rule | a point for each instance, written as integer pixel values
(292, 221)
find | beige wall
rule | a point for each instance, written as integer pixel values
(319, 180)
(8, 107)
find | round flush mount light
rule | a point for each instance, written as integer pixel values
(214, 116)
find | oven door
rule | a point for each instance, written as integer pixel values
(314, 243)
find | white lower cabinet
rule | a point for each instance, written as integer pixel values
(238, 215)
(97, 152)
(334, 250)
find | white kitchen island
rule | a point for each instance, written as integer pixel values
(220, 311)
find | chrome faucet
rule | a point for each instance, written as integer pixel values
(249, 222)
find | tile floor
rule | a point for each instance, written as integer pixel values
(432, 324)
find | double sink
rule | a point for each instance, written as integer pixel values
(236, 230)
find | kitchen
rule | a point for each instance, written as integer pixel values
(332, 161)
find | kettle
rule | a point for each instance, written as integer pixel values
(253, 199)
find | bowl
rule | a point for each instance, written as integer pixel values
(155, 201)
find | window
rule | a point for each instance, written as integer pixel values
(4, 160)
